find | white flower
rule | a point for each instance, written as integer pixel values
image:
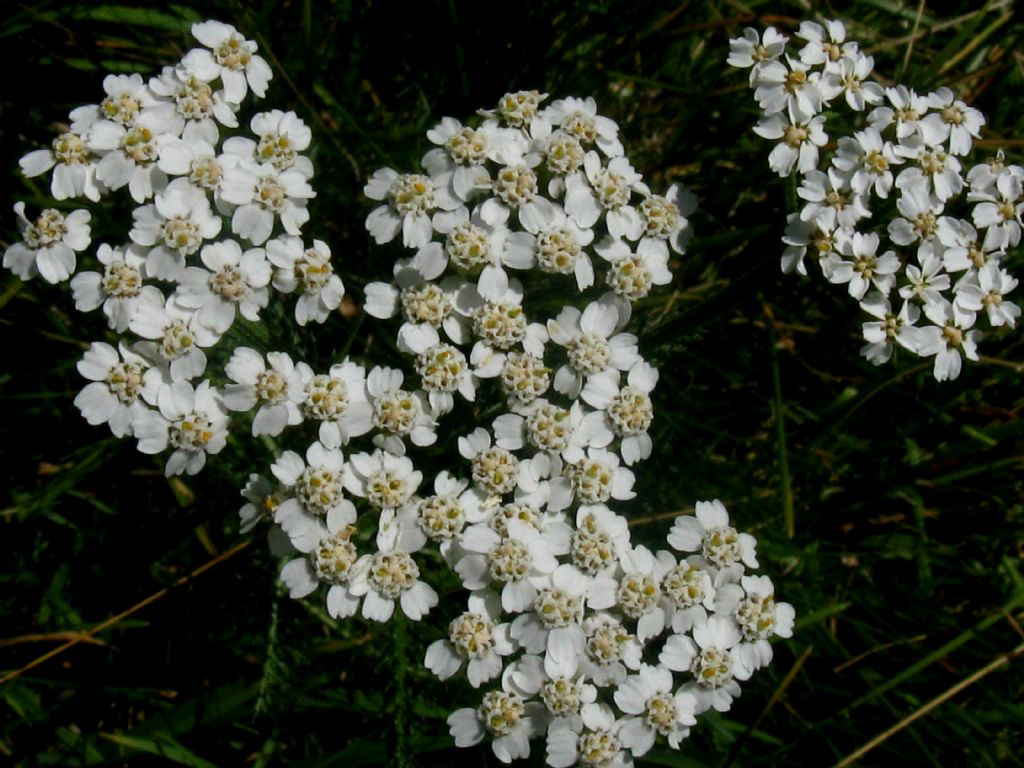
(890, 327)
(752, 50)
(118, 383)
(952, 120)
(610, 649)
(558, 247)
(459, 162)
(988, 292)
(648, 696)
(309, 272)
(399, 413)
(708, 532)
(387, 576)
(870, 159)
(475, 637)
(332, 557)
(1000, 211)
(590, 346)
(276, 388)
(118, 288)
(631, 275)
(711, 659)
(262, 498)
(825, 45)
(510, 721)
(315, 490)
(623, 411)
(130, 154)
(553, 626)
(231, 57)
(606, 190)
(788, 86)
(48, 244)
(599, 743)
(73, 164)
(177, 333)
(274, 195)
(906, 112)
(801, 134)
(338, 401)
(830, 200)
(192, 421)
(410, 199)
(198, 106)
(578, 117)
(861, 268)
(232, 282)
(751, 603)
(947, 339)
(177, 223)
(665, 217)
(386, 481)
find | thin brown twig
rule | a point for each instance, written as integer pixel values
(48, 637)
(783, 686)
(920, 712)
(83, 635)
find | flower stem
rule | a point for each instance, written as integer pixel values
(792, 203)
(400, 754)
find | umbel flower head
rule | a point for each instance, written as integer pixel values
(892, 213)
(569, 633)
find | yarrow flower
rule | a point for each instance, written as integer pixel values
(897, 180)
(570, 633)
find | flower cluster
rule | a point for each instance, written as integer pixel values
(573, 633)
(530, 237)
(891, 213)
(199, 253)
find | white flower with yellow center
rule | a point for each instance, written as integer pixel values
(578, 118)
(500, 323)
(563, 696)
(790, 86)
(987, 292)
(597, 745)
(118, 288)
(664, 217)
(711, 657)
(639, 595)
(386, 481)
(191, 421)
(557, 248)
(445, 305)
(308, 272)
(606, 190)
(708, 532)
(459, 161)
(314, 489)
(130, 154)
(516, 188)
(610, 649)
(625, 411)
(399, 413)
(391, 575)
(590, 344)
(410, 198)
(751, 603)
(753, 50)
(330, 558)
(198, 106)
(655, 710)
(631, 275)
(176, 224)
(888, 329)
(274, 386)
(689, 587)
(262, 498)
(231, 57)
(178, 338)
(274, 196)
(442, 368)
(48, 244)
(948, 339)
(509, 720)
(870, 159)
(73, 164)
(553, 626)
(338, 400)
(800, 134)
(599, 539)
(122, 383)
(231, 282)
(475, 637)
(860, 267)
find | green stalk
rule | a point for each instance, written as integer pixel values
(788, 513)
(400, 753)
